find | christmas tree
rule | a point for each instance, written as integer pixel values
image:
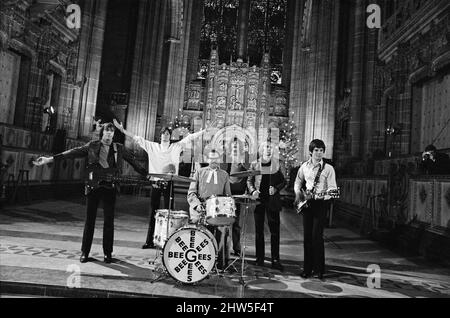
(289, 145)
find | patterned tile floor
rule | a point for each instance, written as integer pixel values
(39, 245)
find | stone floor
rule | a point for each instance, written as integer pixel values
(40, 243)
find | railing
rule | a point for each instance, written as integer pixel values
(399, 199)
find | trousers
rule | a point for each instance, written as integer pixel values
(108, 197)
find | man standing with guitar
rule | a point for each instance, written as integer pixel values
(105, 161)
(314, 186)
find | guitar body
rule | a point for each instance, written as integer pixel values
(303, 205)
(99, 177)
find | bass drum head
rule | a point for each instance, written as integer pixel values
(189, 254)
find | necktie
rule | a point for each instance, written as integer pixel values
(212, 173)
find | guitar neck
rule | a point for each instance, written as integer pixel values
(112, 176)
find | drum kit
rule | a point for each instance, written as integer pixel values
(189, 252)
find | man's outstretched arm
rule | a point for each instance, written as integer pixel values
(72, 153)
(142, 142)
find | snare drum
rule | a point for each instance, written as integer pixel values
(177, 219)
(220, 211)
(190, 254)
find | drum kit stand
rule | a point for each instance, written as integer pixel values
(169, 178)
(245, 200)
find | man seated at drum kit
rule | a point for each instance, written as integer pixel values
(208, 204)
(266, 187)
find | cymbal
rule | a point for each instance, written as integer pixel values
(171, 177)
(248, 173)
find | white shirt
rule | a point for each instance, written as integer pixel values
(160, 156)
(308, 172)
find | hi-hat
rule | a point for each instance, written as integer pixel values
(171, 177)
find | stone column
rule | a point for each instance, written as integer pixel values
(297, 67)
(357, 101)
(176, 56)
(88, 71)
(313, 75)
(369, 97)
(146, 75)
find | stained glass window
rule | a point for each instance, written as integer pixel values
(266, 30)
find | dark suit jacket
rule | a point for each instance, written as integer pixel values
(91, 150)
(238, 185)
(277, 181)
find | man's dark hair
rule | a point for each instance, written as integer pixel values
(316, 143)
(164, 129)
(107, 126)
(430, 148)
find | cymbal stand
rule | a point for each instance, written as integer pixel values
(160, 267)
(244, 246)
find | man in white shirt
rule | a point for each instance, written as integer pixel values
(314, 178)
(163, 157)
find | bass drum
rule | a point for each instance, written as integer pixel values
(190, 254)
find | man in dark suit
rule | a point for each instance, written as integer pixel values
(103, 158)
(266, 187)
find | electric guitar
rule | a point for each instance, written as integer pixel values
(98, 177)
(335, 194)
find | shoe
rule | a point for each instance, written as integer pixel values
(107, 259)
(84, 258)
(305, 275)
(148, 245)
(319, 275)
(277, 265)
